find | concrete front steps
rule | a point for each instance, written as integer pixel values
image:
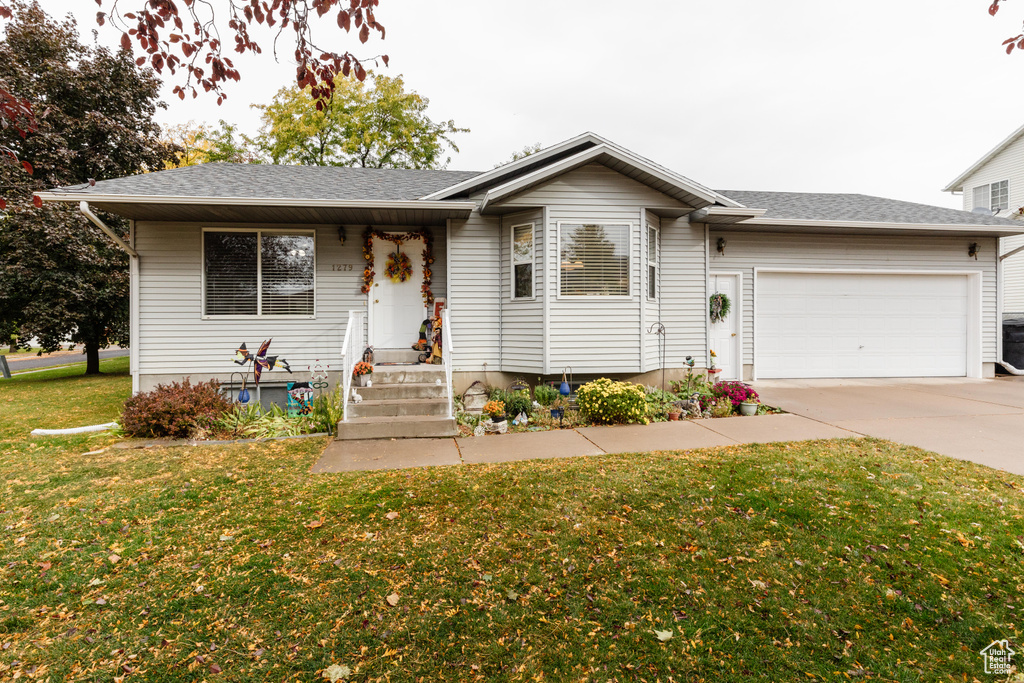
(404, 401)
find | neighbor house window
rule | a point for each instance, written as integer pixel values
(258, 272)
(594, 259)
(1000, 195)
(994, 197)
(652, 262)
(522, 261)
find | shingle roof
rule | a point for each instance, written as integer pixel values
(857, 207)
(281, 182)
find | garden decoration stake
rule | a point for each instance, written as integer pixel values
(318, 381)
(659, 329)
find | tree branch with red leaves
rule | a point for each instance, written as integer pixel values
(1016, 41)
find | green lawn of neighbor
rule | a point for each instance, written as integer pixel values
(837, 560)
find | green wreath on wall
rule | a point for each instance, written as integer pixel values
(719, 307)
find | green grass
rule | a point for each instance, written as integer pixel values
(830, 560)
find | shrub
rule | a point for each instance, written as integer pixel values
(737, 392)
(545, 394)
(658, 403)
(722, 407)
(176, 410)
(607, 402)
(515, 401)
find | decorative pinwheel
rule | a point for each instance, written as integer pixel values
(261, 361)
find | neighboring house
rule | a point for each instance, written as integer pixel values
(994, 186)
(565, 259)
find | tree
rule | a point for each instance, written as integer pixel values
(379, 125)
(522, 154)
(60, 278)
(201, 144)
(191, 37)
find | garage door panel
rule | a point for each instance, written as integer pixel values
(860, 325)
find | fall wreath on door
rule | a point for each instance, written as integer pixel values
(398, 266)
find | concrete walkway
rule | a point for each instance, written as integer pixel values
(971, 419)
(351, 456)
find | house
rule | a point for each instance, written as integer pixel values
(566, 260)
(994, 186)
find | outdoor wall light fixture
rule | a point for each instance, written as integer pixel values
(721, 246)
(973, 250)
(341, 234)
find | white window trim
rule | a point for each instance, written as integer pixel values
(657, 263)
(595, 297)
(259, 274)
(513, 263)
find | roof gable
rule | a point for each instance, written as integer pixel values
(957, 185)
(588, 148)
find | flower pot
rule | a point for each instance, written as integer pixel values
(748, 408)
(361, 380)
(674, 415)
(497, 418)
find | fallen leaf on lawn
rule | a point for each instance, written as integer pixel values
(45, 565)
(391, 515)
(664, 636)
(225, 537)
(512, 595)
(114, 558)
(215, 669)
(392, 599)
(95, 582)
(315, 524)
(336, 672)
(760, 585)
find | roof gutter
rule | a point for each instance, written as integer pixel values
(873, 225)
(416, 204)
(84, 208)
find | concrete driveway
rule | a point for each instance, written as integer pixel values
(977, 420)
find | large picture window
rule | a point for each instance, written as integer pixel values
(522, 261)
(258, 273)
(594, 259)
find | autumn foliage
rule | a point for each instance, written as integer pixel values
(176, 410)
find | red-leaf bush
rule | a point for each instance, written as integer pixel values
(737, 392)
(176, 410)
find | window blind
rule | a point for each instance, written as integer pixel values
(981, 197)
(231, 273)
(522, 261)
(287, 274)
(594, 260)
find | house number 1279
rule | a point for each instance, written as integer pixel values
(341, 266)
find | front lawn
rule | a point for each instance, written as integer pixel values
(833, 560)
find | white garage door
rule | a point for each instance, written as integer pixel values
(860, 325)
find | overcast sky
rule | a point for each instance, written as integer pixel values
(873, 96)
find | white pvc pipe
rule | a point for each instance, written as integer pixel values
(1010, 369)
(74, 430)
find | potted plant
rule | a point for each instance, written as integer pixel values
(749, 407)
(361, 372)
(674, 412)
(495, 410)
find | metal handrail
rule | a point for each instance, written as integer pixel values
(446, 356)
(350, 355)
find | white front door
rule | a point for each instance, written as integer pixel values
(725, 334)
(396, 308)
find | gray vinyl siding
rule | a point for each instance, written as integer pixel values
(522, 320)
(596, 334)
(683, 291)
(746, 251)
(652, 308)
(174, 339)
(475, 293)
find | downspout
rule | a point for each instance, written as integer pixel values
(999, 274)
(84, 207)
